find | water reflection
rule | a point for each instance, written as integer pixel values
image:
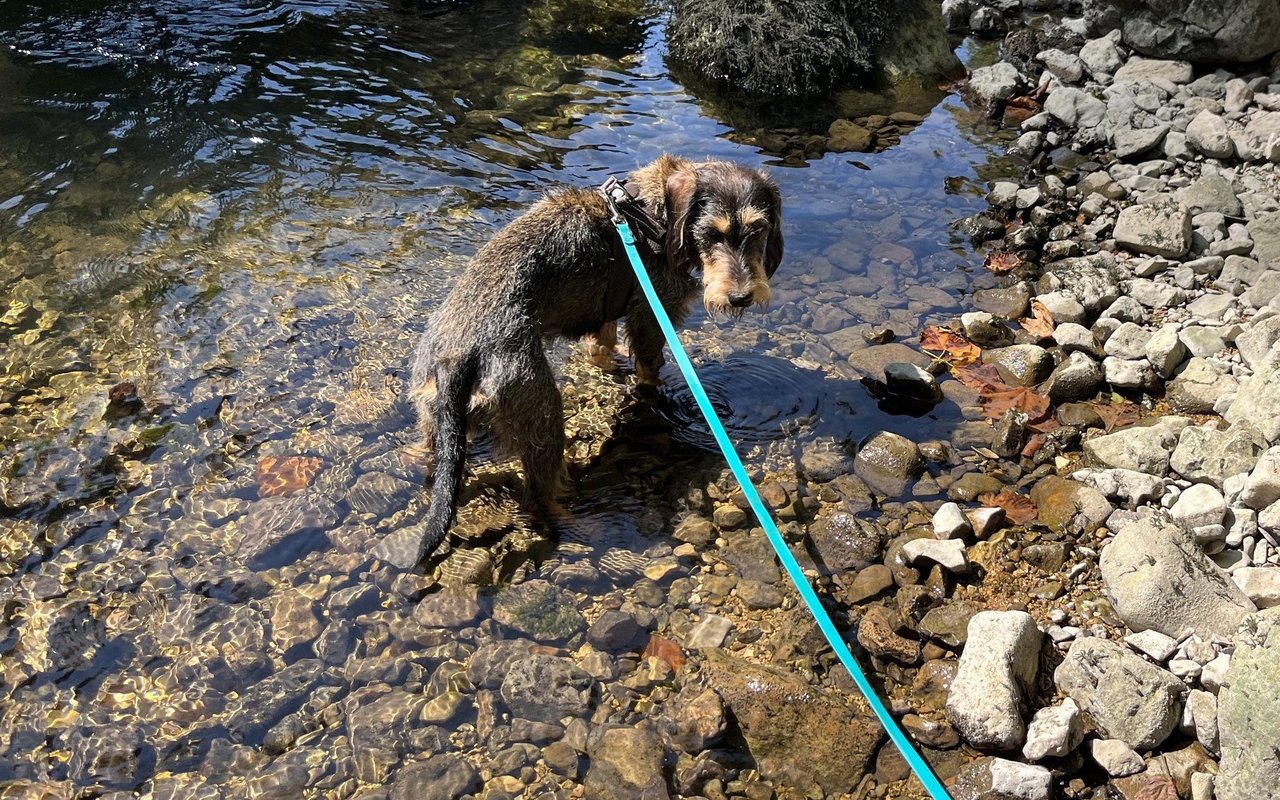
(245, 210)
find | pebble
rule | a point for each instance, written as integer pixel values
(949, 522)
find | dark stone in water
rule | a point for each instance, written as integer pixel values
(278, 530)
(113, 755)
(539, 610)
(981, 228)
(626, 764)
(614, 631)
(844, 542)
(441, 777)
(547, 688)
(264, 703)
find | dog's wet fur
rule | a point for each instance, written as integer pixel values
(546, 275)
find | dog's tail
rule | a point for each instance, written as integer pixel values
(453, 398)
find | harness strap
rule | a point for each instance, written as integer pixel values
(913, 758)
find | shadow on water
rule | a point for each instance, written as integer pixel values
(222, 227)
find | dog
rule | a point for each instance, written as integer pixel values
(558, 271)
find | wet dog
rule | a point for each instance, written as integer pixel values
(559, 271)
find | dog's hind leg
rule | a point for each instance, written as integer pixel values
(599, 346)
(529, 418)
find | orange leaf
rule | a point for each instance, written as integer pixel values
(667, 650)
(1034, 444)
(1018, 398)
(1001, 262)
(1017, 507)
(278, 476)
(1040, 323)
(953, 347)
(979, 376)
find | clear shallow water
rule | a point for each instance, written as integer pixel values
(246, 210)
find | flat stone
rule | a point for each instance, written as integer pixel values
(1159, 579)
(1260, 584)
(948, 554)
(1201, 341)
(991, 680)
(1139, 448)
(1264, 229)
(1128, 341)
(1208, 134)
(1155, 230)
(1075, 108)
(1128, 698)
(1021, 364)
(1069, 507)
(1211, 456)
(1210, 193)
(546, 688)
(1126, 486)
(1152, 69)
(1198, 386)
(1258, 400)
(1066, 66)
(1116, 758)
(1131, 142)
(1153, 643)
(1125, 373)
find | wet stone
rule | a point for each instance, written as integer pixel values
(949, 623)
(888, 462)
(823, 462)
(879, 632)
(844, 542)
(539, 610)
(751, 556)
(614, 631)
(547, 688)
(967, 488)
(271, 521)
(869, 582)
(445, 777)
(1008, 303)
(377, 494)
(1021, 364)
(625, 764)
(294, 620)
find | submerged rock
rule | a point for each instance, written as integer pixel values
(888, 462)
(626, 764)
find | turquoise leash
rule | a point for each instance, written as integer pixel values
(913, 758)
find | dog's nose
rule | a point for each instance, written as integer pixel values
(741, 300)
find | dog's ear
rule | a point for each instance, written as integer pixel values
(681, 187)
(773, 248)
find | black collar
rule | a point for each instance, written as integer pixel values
(643, 223)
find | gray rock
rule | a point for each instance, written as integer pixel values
(1075, 107)
(1116, 758)
(990, 86)
(1021, 364)
(1240, 32)
(1264, 291)
(1205, 455)
(1076, 378)
(1198, 386)
(1131, 142)
(948, 554)
(1017, 781)
(949, 522)
(1130, 373)
(1159, 579)
(984, 330)
(1067, 67)
(888, 462)
(1260, 584)
(546, 688)
(1154, 70)
(1199, 505)
(1153, 643)
(1258, 340)
(625, 764)
(1128, 698)
(1128, 341)
(1156, 230)
(1207, 133)
(1264, 229)
(1064, 307)
(1165, 350)
(1101, 57)
(1072, 337)
(1054, 731)
(991, 680)
(1211, 306)
(1210, 193)
(1126, 486)
(908, 380)
(1249, 712)
(442, 776)
(1262, 488)
(1201, 341)
(1143, 449)
(1237, 95)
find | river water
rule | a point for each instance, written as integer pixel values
(222, 227)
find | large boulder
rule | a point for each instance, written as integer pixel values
(1231, 30)
(798, 735)
(1128, 697)
(807, 47)
(1159, 579)
(1249, 712)
(1258, 400)
(992, 679)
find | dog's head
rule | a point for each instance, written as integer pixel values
(725, 219)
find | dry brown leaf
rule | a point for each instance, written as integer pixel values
(1040, 323)
(1033, 445)
(979, 376)
(667, 650)
(279, 476)
(953, 347)
(995, 402)
(1160, 787)
(1001, 262)
(1018, 508)
(1117, 415)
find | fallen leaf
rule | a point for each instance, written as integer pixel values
(1024, 101)
(954, 348)
(667, 650)
(1040, 323)
(1117, 415)
(1034, 444)
(1160, 787)
(279, 476)
(995, 402)
(1017, 507)
(1001, 262)
(978, 376)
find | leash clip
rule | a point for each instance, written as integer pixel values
(615, 194)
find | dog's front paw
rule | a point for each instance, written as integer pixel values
(648, 375)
